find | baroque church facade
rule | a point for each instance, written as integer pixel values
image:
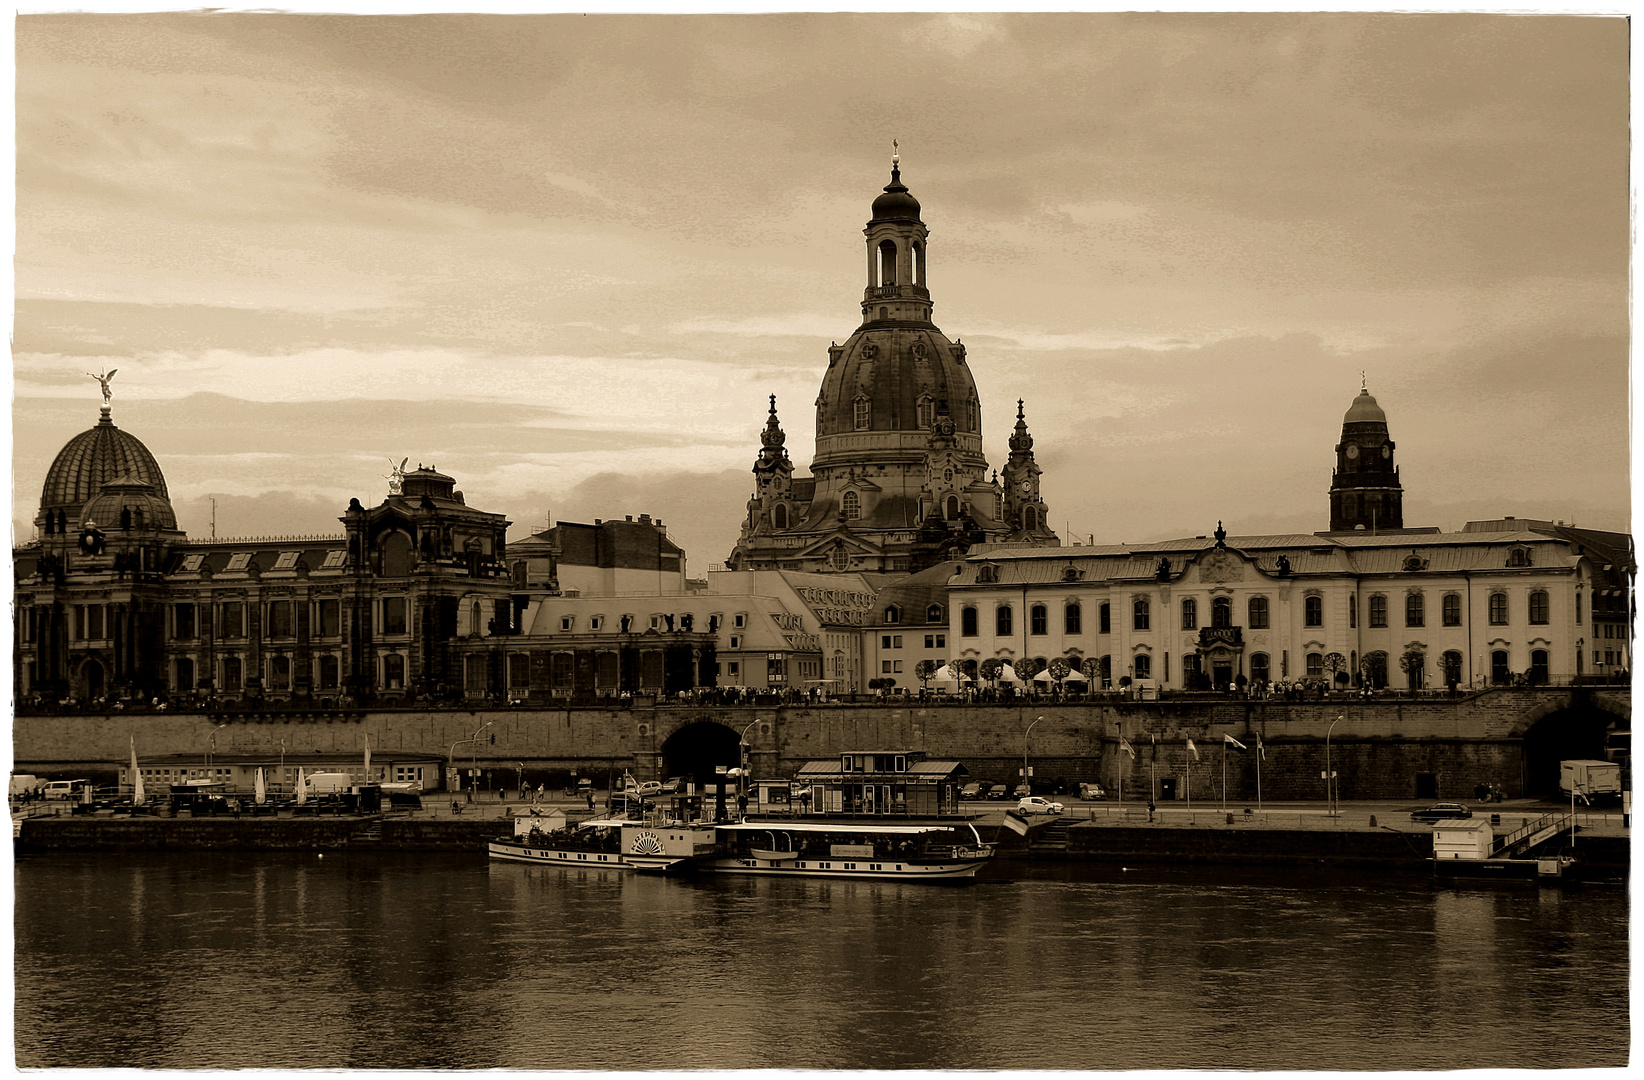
(899, 481)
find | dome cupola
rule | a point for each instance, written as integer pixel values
(1364, 410)
(93, 459)
(127, 504)
(1365, 492)
(897, 203)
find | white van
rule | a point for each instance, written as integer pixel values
(65, 789)
(25, 784)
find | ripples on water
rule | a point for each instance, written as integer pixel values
(418, 962)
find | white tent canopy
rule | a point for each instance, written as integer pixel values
(1043, 676)
(1075, 676)
(1007, 673)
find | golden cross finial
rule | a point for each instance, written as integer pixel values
(1364, 381)
(896, 153)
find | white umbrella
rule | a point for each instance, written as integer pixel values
(1043, 676)
(302, 794)
(259, 791)
(1007, 674)
(1075, 675)
(137, 794)
(946, 674)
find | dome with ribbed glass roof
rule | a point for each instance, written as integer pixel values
(93, 458)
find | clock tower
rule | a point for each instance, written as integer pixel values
(1024, 511)
(1364, 491)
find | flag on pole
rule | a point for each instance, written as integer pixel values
(1194, 750)
(1228, 740)
(1015, 824)
(1126, 748)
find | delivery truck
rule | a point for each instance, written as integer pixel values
(1590, 781)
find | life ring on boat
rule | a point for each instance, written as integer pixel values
(647, 844)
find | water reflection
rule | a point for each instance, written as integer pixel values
(351, 961)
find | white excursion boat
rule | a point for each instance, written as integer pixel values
(588, 843)
(911, 851)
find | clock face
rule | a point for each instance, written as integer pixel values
(1386, 452)
(1026, 486)
(1352, 451)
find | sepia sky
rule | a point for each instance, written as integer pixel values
(565, 259)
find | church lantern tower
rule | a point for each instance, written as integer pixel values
(1364, 490)
(1024, 510)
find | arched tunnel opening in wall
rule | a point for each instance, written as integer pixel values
(1581, 732)
(697, 750)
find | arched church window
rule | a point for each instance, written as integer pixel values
(1030, 518)
(779, 517)
(950, 510)
(926, 411)
(852, 505)
(887, 263)
(863, 413)
(918, 266)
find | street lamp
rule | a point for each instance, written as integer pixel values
(451, 754)
(1025, 734)
(1329, 774)
(742, 750)
(211, 748)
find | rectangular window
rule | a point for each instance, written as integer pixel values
(279, 618)
(884, 667)
(1378, 611)
(896, 641)
(328, 672)
(239, 561)
(519, 671)
(1039, 620)
(596, 623)
(1072, 620)
(1002, 621)
(1144, 666)
(330, 618)
(334, 559)
(231, 622)
(279, 673)
(739, 621)
(896, 666)
(733, 668)
(775, 669)
(1258, 613)
(182, 621)
(1451, 608)
(1352, 612)
(565, 622)
(287, 560)
(884, 641)
(1190, 614)
(393, 615)
(1538, 608)
(941, 641)
(231, 674)
(1141, 614)
(1315, 611)
(1498, 609)
(1104, 616)
(736, 642)
(191, 563)
(1415, 610)
(967, 622)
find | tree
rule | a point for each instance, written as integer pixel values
(1336, 664)
(1092, 669)
(924, 670)
(1026, 668)
(1059, 669)
(991, 667)
(1414, 665)
(967, 668)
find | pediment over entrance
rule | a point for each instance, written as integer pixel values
(1221, 565)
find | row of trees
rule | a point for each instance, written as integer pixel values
(1026, 668)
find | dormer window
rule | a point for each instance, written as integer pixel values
(239, 560)
(596, 622)
(1519, 556)
(863, 413)
(287, 560)
(334, 559)
(892, 615)
(566, 622)
(851, 504)
(191, 563)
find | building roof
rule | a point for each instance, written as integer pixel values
(95, 457)
(1364, 410)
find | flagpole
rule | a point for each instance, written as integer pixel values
(1118, 759)
(1224, 774)
(1189, 763)
(1261, 752)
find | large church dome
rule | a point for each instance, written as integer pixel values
(897, 379)
(94, 458)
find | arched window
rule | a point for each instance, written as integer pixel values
(918, 264)
(1415, 610)
(1315, 665)
(887, 262)
(1030, 518)
(933, 613)
(1190, 614)
(1378, 610)
(1376, 668)
(1538, 608)
(1221, 612)
(1314, 611)
(1499, 671)
(1450, 667)
(1258, 613)
(1072, 620)
(950, 508)
(1498, 609)
(779, 517)
(1039, 619)
(1578, 611)
(852, 505)
(967, 621)
(1352, 612)
(1258, 667)
(926, 411)
(863, 413)
(1140, 613)
(1144, 666)
(1450, 609)
(1002, 622)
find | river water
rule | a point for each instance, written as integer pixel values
(350, 960)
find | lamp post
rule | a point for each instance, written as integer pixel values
(1025, 773)
(211, 748)
(473, 747)
(451, 754)
(742, 750)
(1329, 773)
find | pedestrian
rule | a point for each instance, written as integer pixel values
(1150, 809)
(590, 800)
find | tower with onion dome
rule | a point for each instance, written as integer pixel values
(898, 481)
(1364, 490)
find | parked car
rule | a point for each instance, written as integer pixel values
(673, 785)
(1033, 804)
(971, 790)
(1092, 792)
(650, 787)
(992, 790)
(1443, 811)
